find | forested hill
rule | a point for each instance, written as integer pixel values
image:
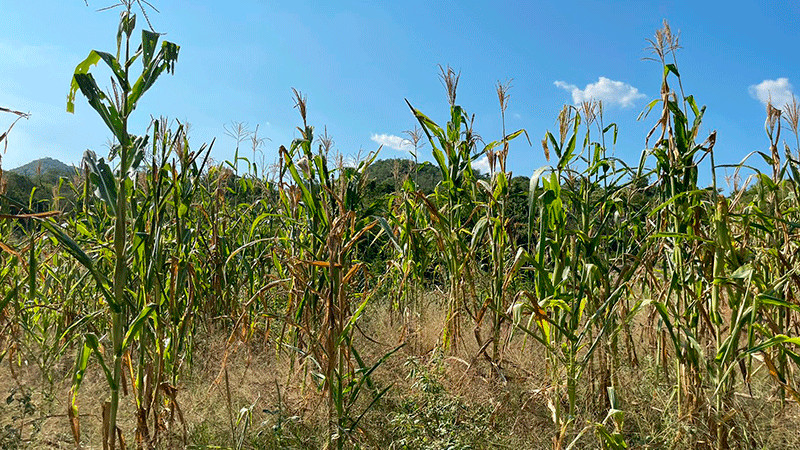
(45, 166)
(387, 175)
(40, 177)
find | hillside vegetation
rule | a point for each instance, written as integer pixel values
(40, 184)
(166, 302)
(45, 166)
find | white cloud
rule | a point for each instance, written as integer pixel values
(481, 164)
(607, 90)
(393, 142)
(778, 91)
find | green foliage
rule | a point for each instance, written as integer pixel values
(386, 176)
(41, 185)
(431, 418)
(451, 208)
(17, 408)
(49, 168)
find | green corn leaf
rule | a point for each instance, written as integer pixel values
(127, 23)
(521, 257)
(518, 133)
(533, 189)
(82, 68)
(565, 159)
(443, 168)
(674, 199)
(389, 233)
(136, 326)
(164, 61)
(662, 310)
(484, 186)
(351, 322)
(93, 343)
(428, 125)
(149, 42)
(555, 144)
(103, 179)
(116, 69)
(686, 236)
(490, 146)
(99, 102)
(81, 362)
(616, 130)
(501, 186)
(74, 249)
(68, 335)
(778, 339)
(671, 68)
(478, 231)
(743, 272)
(769, 299)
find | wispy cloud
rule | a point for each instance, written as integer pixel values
(481, 164)
(393, 142)
(607, 90)
(778, 91)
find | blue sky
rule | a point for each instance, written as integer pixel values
(358, 61)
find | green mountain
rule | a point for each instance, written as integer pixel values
(387, 175)
(36, 183)
(45, 166)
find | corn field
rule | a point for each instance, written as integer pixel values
(629, 307)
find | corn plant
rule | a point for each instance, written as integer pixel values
(680, 219)
(323, 223)
(752, 296)
(694, 320)
(452, 206)
(766, 268)
(164, 271)
(410, 248)
(574, 310)
(9, 256)
(494, 228)
(115, 109)
(721, 311)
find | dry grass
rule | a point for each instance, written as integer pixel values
(511, 411)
